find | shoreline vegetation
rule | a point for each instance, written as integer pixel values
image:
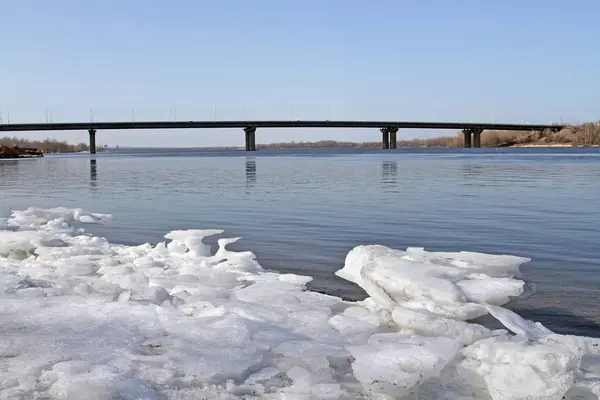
(18, 152)
(585, 135)
(14, 147)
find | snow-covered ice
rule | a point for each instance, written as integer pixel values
(82, 318)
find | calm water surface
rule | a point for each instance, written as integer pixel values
(303, 210)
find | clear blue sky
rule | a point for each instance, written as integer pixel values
(504, 61)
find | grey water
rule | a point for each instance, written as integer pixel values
(301, 211)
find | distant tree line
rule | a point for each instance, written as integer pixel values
(319, 144)
(46, 146)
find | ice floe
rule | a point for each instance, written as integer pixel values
(83, 318)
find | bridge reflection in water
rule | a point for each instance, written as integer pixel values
(93, 173)
(250, 171)
(389, 172)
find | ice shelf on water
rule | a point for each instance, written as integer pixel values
(82, 318)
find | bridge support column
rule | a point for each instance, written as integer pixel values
(467, 134)
(393, 138)
(385, 138)
(472, 137)
(477, 137)
(250, 132)
(92, 133)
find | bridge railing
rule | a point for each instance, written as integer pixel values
(229, 113)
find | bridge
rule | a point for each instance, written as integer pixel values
(389, 129)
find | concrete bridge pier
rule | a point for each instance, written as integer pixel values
(393, 138)
(385, 138)
(477, 137)
(92, 133)
(388, 138)
(250, 132)
(467, 134)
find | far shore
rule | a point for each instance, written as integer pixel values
(553, 145)
(317, 145)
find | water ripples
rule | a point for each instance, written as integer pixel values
(303, 211)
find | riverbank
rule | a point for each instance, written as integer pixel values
(586, 135)
(46, 146)
(19, 152)
(551, 145)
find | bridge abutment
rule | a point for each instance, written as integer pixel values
(92, 133)
(250, 133)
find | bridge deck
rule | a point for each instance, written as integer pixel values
(70, 126)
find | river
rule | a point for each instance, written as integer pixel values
(301, 211)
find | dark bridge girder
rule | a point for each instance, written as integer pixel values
(71, 126)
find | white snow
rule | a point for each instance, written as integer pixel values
(82, 318)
